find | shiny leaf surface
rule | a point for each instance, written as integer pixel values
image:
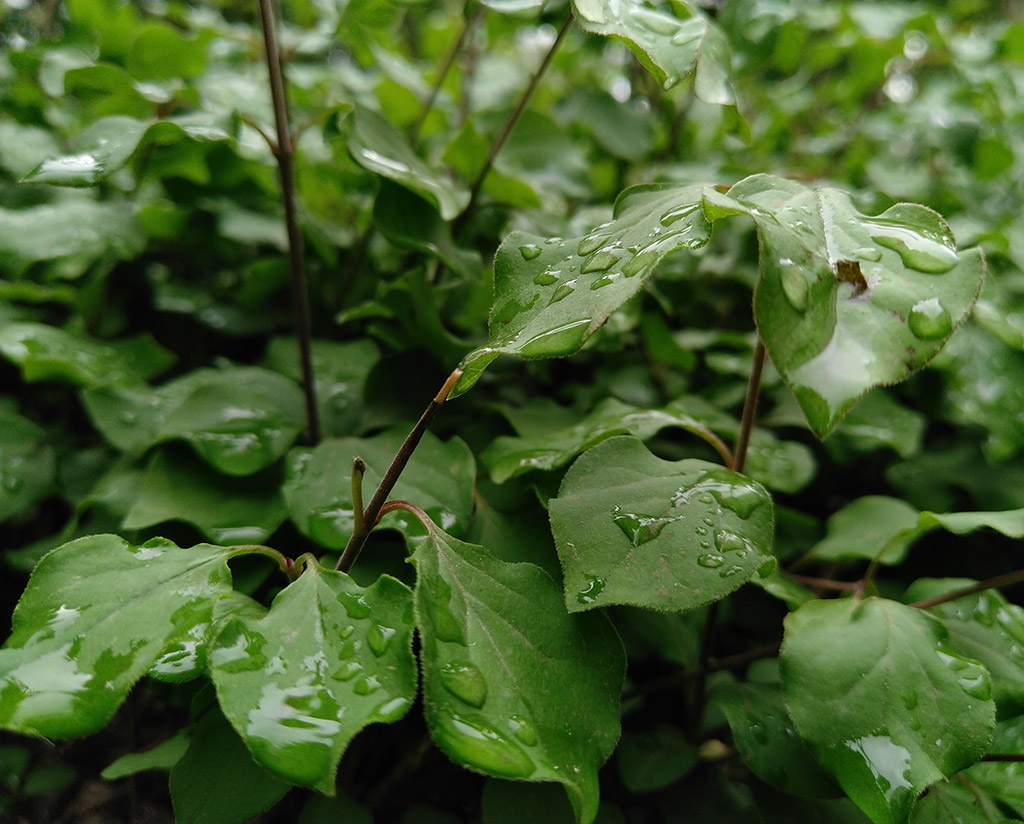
(632, 528)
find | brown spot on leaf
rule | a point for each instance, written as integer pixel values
(848, 271)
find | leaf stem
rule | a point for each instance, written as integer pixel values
(749, 408)
(442, 73)
(373, 509)
(296, 260)
(829, 583)
(1015, 577)
(358, 469)
(506, 130)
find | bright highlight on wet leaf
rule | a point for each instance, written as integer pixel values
(513, 685)
(891, 709)
(328, 659)
(97, 614)
(632, 528)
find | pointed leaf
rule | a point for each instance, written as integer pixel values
(632, 528)
(552, 294)
(513, 686)
(97, 613)
(1009, 522)
(318, 490)
(178, 487)
(848, 302)
(670, 47)
(327, 660)
(378, 147)
(884, 703)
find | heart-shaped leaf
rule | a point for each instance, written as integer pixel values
(96, 615)
(513, 686)
(631, 528)
(885, 704)
(328, 659)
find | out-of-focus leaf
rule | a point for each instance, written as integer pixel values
(27, 464)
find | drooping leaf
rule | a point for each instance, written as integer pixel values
(767, 741)
(49, 353)
(514, 686)
(95, 616)
(215, 759)
(867, 526)
(632, 528)
(1009, 522)
(878, 420)
(161, 757)
(885, 704)
(318, 490)
(670, 47)
(27, 464)
(178, 487)
(985, 627)
(378, 147)
(552, 294)
(328, 659)
(847, 302)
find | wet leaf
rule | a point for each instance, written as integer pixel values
(834, 336)
(985, 627)
(878, 421)
(161, 757)
(1010, 522)
(378, 147)
(1004, 779)
(27, 464)
(513, 686)
(328, 659)
(670, 47)
(632, 528)
(764, 734)
(867, 526)
(49, 353)
(885, 704)
(96, 615)
(318, 489)
(178, 487)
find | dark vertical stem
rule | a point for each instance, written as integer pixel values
(697, 695)
(296, 260)
(739, 460)
(446, 65)
(387, 483)
(506, 130)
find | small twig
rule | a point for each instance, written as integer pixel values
(828, 583)
(442, 73)
(296, 260)
(699, 693)
(506, 130)
(749, 408)
(373, 509)
(1003, 756)
(248, 121)
(999, 581)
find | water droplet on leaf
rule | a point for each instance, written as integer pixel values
(599, 262)
(919, 249)
(590, 593)
(475, 744)
(928, 320)
(379, 638)
(562, 340)
(529, 251)
(465, 682)
(710, 561)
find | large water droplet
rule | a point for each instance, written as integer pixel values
(523, 730)
(644, 261)
(727, 541)
(477, 745)
(640, 528)
(928, 320)
(921, 250)
(379, 638)
(240, 649)
(677, 214)
(563, 291)
(590, 593)
(562, 340)
(465, 682)
(591, 243)
(794, 286)
(366, 686)
(355, 605)
(973, 678)
(868, 253)
(601, 282)
(545, 278)
(347, 671)
(599, 262)
(710, 561)
(529, 251)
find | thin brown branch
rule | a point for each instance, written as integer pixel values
(1015, 577)
(749, 408)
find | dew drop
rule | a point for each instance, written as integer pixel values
(599, 262)
(366, 686)
(562, 340)
(675, 215)
(640, 528)
(730, 571)
(794, 287)
(868, 253)
(477, 745)
(591, 243)
(928, 320)
(731, 542)
(379, 638)
(640, 263)
(919, 250)
(562, 292)
(601, 282)
(465, 682)
(590, 593)
(710, 561)
(347, 671)
(529, 251)
(355, 605)
(240, 651)
(523, 730)
(545, 278)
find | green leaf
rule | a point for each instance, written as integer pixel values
(985, 627)
(27, 464)
(877, 421)
(654, 759)
(178, 487)
(48, 353)
(507, 801)
(160, 51)
(216, 781)
(552, 294)
(670, 47)
(378, 147)
(1004, 779)
(96, 615)
(318, 491)
(107, 144)
(513, 686)
(884, 703)
(328, 659)
(847, 302)
(161, 757)
(1009, 522)
(869, 527)
(632, 528)
(766, 739)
